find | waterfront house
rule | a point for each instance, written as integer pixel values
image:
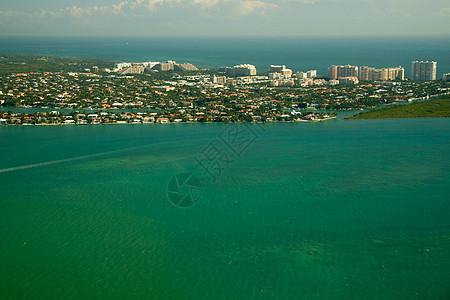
(162, 120)
(148, 120)
(96, 120)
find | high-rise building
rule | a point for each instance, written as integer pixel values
(308, 74)
(287, 73)
(276, 69)
(334, 72)
(369, 73)
(423, 70)
(244, 70)
(218, 79)
(301, 75)
(134, 68)
(166, 66)
(311, 73)
(239, 70)
(446, 77)
(185, 67)
(366, 73)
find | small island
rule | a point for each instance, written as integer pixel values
(437, 108)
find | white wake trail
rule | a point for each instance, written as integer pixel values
(53, 162)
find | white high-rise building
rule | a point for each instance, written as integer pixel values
(218, 79)
(301, 75)
(287, 73)
(244, 70)
(370, 73)
(311, 73)
(423, 70)
(276, 69)
(308, 74)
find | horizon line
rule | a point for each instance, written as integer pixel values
(228, 36)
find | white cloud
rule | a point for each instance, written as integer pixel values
(44, 13)
(306, 1)
(151, 4)
(13, 13)
(117, 8)
(75, 11)
(241, 8)
(251, 6)
(444, 12)
(204, 4)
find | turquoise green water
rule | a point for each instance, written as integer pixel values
(332, 210)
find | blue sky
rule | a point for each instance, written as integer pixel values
(224, 17)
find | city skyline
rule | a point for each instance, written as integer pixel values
(224, 17)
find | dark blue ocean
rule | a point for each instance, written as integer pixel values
(297, 53)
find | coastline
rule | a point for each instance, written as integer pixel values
(131, 123)
(134, 94)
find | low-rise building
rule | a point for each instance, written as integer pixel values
(162, 120)
(348, 80)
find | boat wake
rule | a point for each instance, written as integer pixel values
(53, 162)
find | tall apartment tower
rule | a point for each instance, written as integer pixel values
(423, 70)
(334, 72)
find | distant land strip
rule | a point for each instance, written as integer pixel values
(437, 108)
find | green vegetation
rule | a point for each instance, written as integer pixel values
(14, 63)
(438, 108)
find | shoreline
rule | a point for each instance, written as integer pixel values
(130, 94)
(153, 123)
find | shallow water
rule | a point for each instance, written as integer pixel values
(331, 210)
